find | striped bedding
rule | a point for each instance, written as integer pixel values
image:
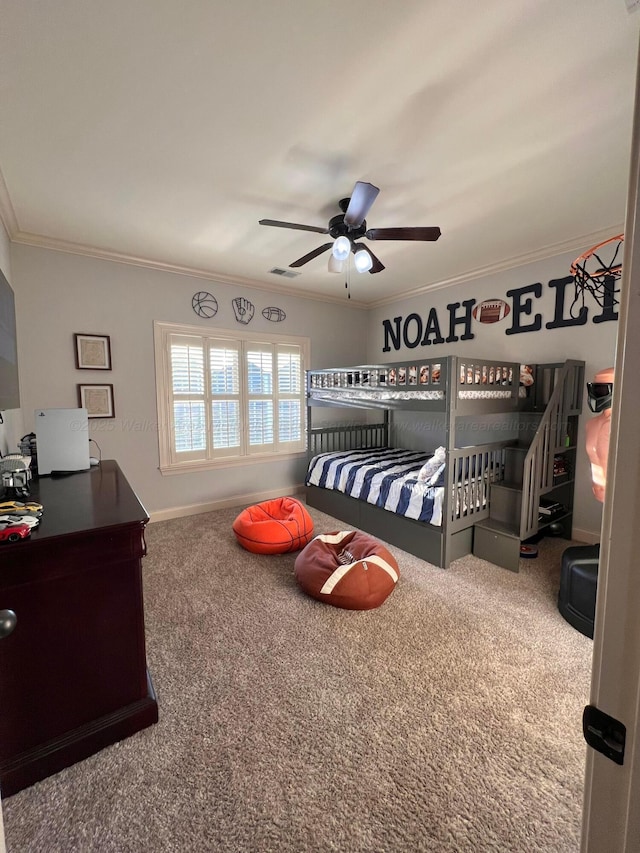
(385, 477)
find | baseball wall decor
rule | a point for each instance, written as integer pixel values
(243, 309)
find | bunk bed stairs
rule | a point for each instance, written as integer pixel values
(536, 494)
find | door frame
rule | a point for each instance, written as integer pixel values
(611, 818)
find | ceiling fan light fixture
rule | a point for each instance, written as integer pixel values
(348, 227)
(363, 260)
(341, 248)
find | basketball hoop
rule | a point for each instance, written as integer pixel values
(593, 274)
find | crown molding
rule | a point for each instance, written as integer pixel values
(67, 247)
(576, 244)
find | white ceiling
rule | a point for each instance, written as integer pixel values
(162, 131)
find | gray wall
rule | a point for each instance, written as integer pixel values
(592, 343)
(11, 429)
(58, 294)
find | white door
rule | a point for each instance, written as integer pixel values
(611, 817)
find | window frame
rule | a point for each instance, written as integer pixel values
(169, 458)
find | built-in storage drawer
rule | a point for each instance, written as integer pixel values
(496, 545)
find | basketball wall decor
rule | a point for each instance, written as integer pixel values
(275, 315)
(204, 304)
(491, 311)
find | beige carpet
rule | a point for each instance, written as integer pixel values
(449, 719)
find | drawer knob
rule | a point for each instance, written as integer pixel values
(8, 621)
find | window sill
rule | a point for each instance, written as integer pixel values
(235, 462)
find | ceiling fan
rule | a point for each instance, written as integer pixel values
(349, 227)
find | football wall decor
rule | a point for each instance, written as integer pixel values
(491, 311)
(275, 315)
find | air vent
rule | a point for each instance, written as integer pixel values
(285, 273)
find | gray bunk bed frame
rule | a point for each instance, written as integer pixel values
(449, 389)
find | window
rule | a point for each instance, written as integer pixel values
(227, 397)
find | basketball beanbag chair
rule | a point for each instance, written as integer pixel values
(274, 527)
(347, 569)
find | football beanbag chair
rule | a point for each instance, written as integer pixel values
(347, 569)
(274, 527)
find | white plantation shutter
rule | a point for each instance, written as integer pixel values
(290, 394)
(226, 416)
(259, 368)
(188, 415)
(275, 397)
(226, 396)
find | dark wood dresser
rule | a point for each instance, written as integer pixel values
(73, 671)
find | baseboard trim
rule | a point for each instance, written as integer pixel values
(45, 759)
(211, 506)
(586, 536)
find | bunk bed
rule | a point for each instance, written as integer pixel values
(357, 475)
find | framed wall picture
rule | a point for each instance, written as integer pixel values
(93, 352)
(97, 400)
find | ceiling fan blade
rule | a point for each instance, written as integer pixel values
(278, 224)
(403, 233)
(377, 265)
(362, 198)
(306, 258)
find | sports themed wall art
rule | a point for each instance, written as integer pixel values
(204, 304)
(275, 315)
(454, 322)
(243, 309)
(491, 311)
